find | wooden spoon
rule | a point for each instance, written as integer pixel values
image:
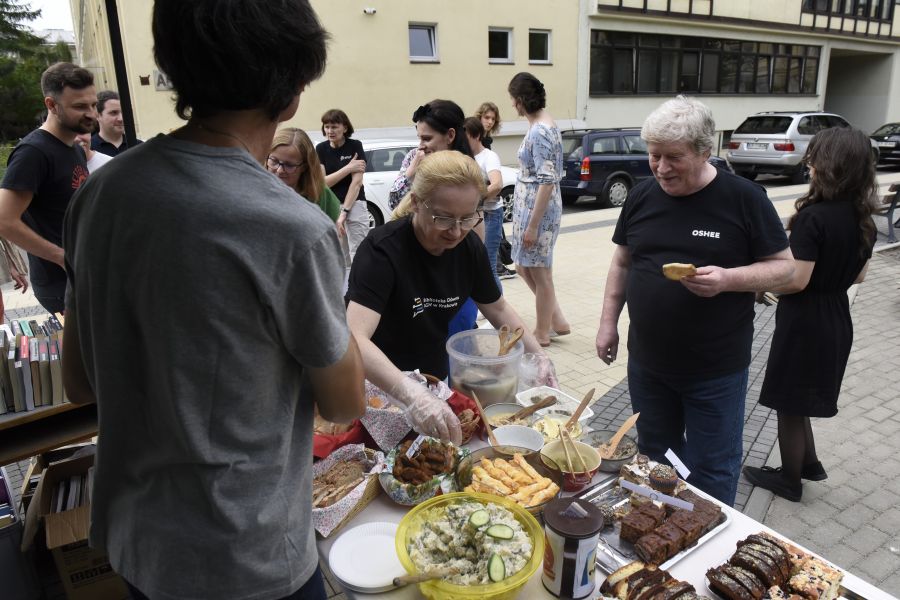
(509, 338)
(424, 576)
(574, 418)
(613, 443)
(491, 438)
(530, 410)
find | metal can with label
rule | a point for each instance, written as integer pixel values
(572, 527)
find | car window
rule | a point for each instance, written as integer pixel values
(835, 121)
(385, 159)
(571, 146)
(634, 144)
(889, 129)
(808, 125)
(605, 145)
(767, 124)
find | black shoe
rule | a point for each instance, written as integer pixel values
(811, 472)
(504, 273)
(774, 482)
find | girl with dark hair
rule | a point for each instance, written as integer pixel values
(832, 235)
(345, 162)
(439, 125)
(537, 204)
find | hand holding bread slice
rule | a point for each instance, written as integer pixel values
(678, 271)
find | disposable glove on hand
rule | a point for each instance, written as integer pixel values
(546, 372)
(427, 414)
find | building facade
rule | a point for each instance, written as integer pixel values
(605, 63)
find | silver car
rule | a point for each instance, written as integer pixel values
(775, 143)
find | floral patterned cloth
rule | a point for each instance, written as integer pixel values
(540, 162)
(402, 184)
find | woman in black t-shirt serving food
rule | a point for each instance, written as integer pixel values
(410, 277)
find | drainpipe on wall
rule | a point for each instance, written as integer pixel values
(115, 40)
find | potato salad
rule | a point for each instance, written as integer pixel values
(482, 543)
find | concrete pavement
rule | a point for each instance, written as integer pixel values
(850, 518)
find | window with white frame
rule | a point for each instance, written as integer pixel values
(422, 43)
(500, 45)
(538, 46)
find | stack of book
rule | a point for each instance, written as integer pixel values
(31, 373)
(72, 492)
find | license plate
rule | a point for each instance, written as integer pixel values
(887, 144)
(752, 146)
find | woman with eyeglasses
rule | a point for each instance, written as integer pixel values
(294, 161)
(408, 281)
(345, 162)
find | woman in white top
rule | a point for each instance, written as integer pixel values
(493, 205)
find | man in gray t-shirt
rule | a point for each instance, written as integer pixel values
(204, 316)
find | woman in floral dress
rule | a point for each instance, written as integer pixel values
(537, 208)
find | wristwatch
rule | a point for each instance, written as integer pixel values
(345, 209)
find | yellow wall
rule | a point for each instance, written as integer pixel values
(369, 73)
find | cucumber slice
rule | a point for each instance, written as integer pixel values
(496, 568)
(479, 518)
(500, 532)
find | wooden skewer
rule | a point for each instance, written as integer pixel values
(491, 437)
(530, 410)
(577, 451)
(584, 402)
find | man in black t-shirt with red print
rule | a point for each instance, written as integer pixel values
(689, 341)
(43, 172)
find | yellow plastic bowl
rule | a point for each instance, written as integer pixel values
(438, 589)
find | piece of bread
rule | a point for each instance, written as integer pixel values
(620, 574)
(676, 271)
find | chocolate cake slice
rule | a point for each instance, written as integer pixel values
(652, 549)
(657, 513)
(778, 558)
(759, 565)
(673, 535)
(689, 523)
(726, 586)
(671, 589)
(747, 579)
(650, 582)
(635, 525)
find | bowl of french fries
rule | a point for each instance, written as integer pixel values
(510, 472)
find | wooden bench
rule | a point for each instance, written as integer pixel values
(887, 204)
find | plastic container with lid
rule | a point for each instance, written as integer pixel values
(475, 366)
(572, 528)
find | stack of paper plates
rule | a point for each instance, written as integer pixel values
(364, 558)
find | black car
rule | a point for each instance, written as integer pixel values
(605, 163)
(887, 137)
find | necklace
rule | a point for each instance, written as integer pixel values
(203, 127)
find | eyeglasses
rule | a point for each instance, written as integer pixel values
(447, 223)
(273, 163)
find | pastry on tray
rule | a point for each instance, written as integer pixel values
(663, 478)
(639, 581)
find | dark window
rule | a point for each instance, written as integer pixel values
(538, 46)
(500, 45)
(768, 124)
(808, 125)
(572, 146)
(834, 121)
(635, 144)
(861, 9)
(626, 63)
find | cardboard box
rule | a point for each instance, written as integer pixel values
(85, 573)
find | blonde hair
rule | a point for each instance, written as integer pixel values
(311, 181)
(449, 168)
(486, 107)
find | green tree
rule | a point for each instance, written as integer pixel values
(23, 57)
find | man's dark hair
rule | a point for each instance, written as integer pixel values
(336, 115)
(442, 116)
(62, 75)
(237, 54)
(527, 89)
(104, 97)
(474, 128)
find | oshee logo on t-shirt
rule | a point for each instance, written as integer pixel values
(419, 305)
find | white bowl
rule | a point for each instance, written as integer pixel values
(519, 435)
(563, 401)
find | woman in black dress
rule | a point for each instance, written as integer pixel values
(832, 235)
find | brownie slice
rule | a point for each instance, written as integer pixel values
(636, 525)
(657, 513)
(689, 523)
(758, 564)
(652, 549)
(673, 535)
(626, 586)
(781, 560)
(747, 579)
(773, 549)
(689, 595)
(648, 583)
(726, 586)
(671, 589)
(701, 505)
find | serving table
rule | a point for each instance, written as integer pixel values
(692, 568)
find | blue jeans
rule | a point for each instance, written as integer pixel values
(493, 223)
(313, 589)
(701, 421)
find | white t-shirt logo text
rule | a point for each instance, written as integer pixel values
(702, 233)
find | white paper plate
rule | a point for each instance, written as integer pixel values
(563, 400)
(364, 558)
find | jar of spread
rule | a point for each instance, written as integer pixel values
(571, 530)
